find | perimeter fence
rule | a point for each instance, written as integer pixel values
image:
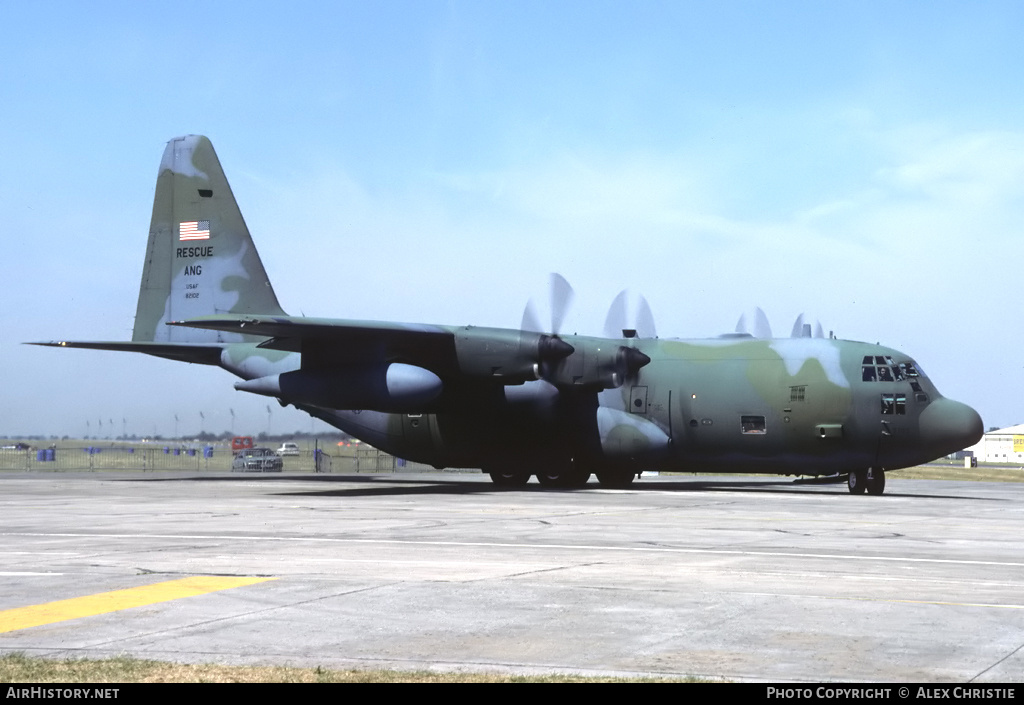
(193, 458)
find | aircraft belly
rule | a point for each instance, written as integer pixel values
(787, 463)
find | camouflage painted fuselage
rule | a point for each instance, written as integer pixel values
(792, 406)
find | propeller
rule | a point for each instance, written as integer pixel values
(761, 327)
(607, 366)
(561, 295)
(549, 348)
(627, 360)
(802, 329)
(618, 320)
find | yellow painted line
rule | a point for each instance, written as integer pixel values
(104, 602)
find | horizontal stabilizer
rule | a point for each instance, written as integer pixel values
(183, 352)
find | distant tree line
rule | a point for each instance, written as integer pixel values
(203, 436)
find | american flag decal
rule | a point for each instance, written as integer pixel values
(194, 230)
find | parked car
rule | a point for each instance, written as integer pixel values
(257, 460)
(288, 449)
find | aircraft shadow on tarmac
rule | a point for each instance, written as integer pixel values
(395, 485)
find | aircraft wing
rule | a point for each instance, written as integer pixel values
(324, 342)
(302, 327)
(463, 353)
(203, 354)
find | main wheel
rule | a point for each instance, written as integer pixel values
(563, 477)
(857, 481)
(875, 482)
(509, 479)
(616, 479)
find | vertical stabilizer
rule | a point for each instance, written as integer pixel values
(200, 259)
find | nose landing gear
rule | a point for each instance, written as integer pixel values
(871, 480)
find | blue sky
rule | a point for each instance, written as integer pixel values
(861, 162)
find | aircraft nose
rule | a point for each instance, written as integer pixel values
(949, 426)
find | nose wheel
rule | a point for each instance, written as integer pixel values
(871, 481)
(875, 481)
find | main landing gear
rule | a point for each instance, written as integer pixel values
(560, 476)
(871, 481)
(509, 478)
(563, 476)
(616, 479)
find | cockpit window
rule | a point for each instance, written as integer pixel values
(882, 368)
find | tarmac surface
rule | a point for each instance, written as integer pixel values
(742, 578)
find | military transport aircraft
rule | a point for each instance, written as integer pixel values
(522, 403)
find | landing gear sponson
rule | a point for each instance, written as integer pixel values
(871, 481)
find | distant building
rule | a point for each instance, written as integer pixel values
(1005, 445)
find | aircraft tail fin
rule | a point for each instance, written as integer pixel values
(200, 259)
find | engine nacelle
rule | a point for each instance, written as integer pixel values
(601, 366)
(395, 387)
(510, 356)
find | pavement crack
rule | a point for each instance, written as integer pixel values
(554, 569)
(983, 672)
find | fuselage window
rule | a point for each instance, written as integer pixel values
(894, 404)
(752, 424)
